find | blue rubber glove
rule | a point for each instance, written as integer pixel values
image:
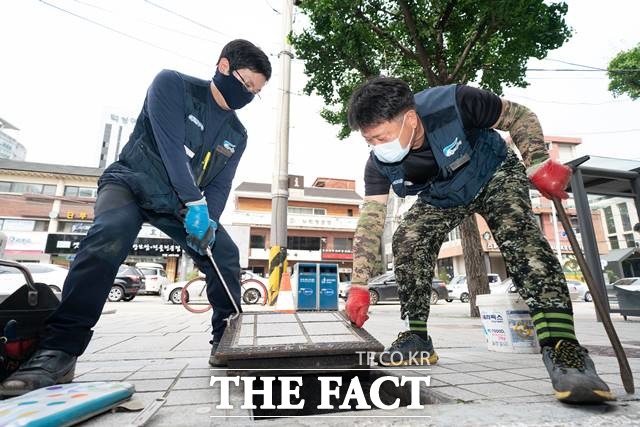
(201, 230)
(196, 222)
(207, 241)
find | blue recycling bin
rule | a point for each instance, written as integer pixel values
(317, 286)
(307, 277)
(328, 294)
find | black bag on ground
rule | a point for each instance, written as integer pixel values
(22, 317)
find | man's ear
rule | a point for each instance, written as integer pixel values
(413, 114)
(224, 67)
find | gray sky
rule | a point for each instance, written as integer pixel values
(60, 74)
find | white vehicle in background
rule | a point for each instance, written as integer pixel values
(52, 275)
(507, 286)
(253, 290)
(581, 288)
(154, 276)
(458, 288)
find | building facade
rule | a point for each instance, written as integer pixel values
(321, 221)
(46, 210)
(10, 148)
(117, 129)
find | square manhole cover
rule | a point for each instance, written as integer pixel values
(310, 339)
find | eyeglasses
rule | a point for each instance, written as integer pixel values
(246, 87)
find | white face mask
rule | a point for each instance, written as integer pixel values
(392, 151)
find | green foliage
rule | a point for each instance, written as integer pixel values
(622, 77)
(611, 275)
(424, 42)
(193, 274)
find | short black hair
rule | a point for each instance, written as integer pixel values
(244, 54)
(378, 100)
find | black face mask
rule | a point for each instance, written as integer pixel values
(233, 91)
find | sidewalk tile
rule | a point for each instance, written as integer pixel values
(497, 390)
(152, 385)
(459, 393)
(499, 376)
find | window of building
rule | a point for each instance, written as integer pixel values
(608, 216)
(631, 242)
(613, 241)
(303, 243)
(23, 225)
(306, 211)
(257, 241)
(27, 188)
(342, 243)
(453, 235)
(624, 215)
(539, 222)
(349, 212)
(73, 191)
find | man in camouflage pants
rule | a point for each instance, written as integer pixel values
(440, 144)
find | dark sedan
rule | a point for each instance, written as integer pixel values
(127, 283)
(385, 288)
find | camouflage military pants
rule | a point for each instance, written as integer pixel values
(505, 205)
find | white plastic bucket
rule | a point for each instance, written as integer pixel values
(507, 324)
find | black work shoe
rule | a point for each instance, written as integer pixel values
(213, 359)
(409, 349)
(45, 368)
(573, 374)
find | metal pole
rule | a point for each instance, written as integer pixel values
(279, 185)
(556, 234)
(589, 241)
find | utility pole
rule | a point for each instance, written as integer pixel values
(279, 184)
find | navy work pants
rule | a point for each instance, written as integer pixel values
(118, 219)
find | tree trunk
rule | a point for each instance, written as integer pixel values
(477, 279)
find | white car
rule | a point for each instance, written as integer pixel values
(253, 290)
(154, 277)
(343, 289)
(508, 286)
(52, 275)
(458, 288)
(583, 290)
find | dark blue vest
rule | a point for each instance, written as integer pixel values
(466, 159)
(140, 166)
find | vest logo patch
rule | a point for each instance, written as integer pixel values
(398, 181)
(229, 146)
(196, 122)
(451, 149)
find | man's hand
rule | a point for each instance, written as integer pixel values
(550, 178)
(201, 230)
(196, 222)
(209, 238)
(358, 305)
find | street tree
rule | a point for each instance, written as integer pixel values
(426, 43)
(624, 73)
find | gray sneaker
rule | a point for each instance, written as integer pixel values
(409, 349)
(213, 359)
(573, 374)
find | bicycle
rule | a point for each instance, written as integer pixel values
(251, 291)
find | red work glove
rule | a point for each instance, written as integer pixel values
(550, 178)
(358, 305)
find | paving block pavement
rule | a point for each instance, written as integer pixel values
(163, 350)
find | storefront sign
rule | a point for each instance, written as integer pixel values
(347, 255)
(25, 242)
(69, 244)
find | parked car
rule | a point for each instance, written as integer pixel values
(170, 292)
(581, 289)
(252, 292)
(458, 288)
(128, 282)
(52, 275)
(385, 288)
(343, 289)
(154, 277)
(508, 286)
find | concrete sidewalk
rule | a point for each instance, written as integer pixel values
(163, 350)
